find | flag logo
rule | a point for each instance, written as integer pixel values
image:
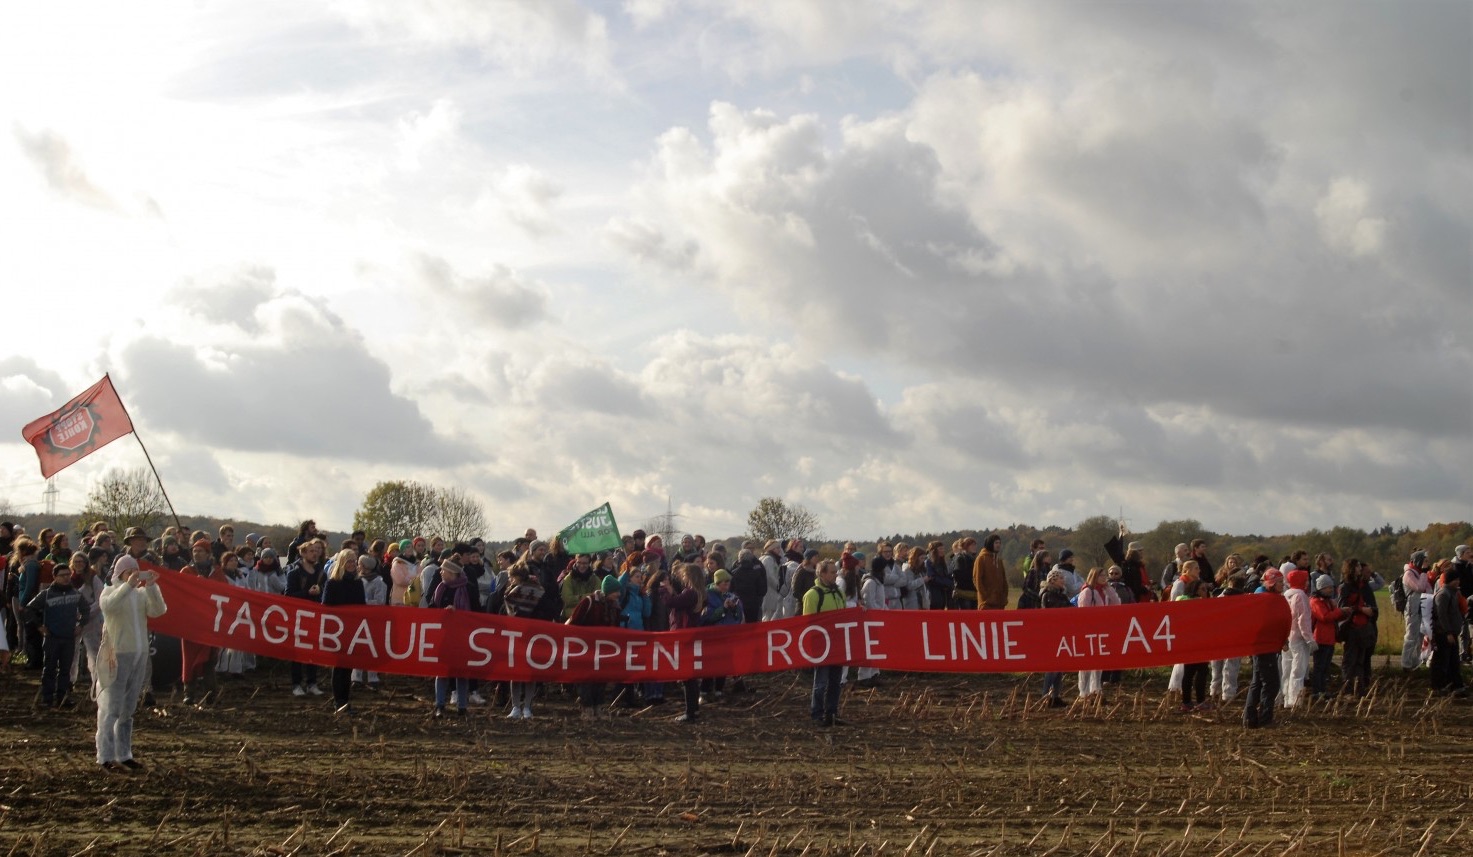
(79, 428)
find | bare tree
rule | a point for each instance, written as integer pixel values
(457, 516)
(408, 509)
(774, 519)
(127, 498)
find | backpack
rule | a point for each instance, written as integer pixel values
(1398, 594)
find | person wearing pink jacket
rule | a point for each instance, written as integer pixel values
(1301, 646)
(1095, 593)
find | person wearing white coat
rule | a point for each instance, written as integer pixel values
(1096, 592)
(127, 604)
(1418, 588)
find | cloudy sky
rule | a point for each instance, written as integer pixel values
(914, 265)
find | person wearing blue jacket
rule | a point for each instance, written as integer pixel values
(59, 610)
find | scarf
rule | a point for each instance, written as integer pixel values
(460, 596)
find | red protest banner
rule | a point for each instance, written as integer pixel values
(417, 641)
(79, 428)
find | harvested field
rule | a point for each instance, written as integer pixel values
(929, 765)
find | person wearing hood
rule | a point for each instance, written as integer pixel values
(1301, 646)
(749, 582)
(127, 604)
(402, 576)
(1418, 588)
(778, 602)
(1263, 690)
(990, 576)
(267, 575)
(1065, 566)
(1326, 615)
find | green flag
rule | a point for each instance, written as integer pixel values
(595, 531)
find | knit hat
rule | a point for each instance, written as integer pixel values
(721, 576)
(200, 543)
(125, 563)
(1065, 555)
(1324, 581)
(810, 554)
(268, 553)
(1460, 550)
(404, 544)
(609, 585)
(1419, 557)
(253, 537)
(1298, 578)
(1271, 578)
(1287, 567)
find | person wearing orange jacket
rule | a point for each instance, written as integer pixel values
(990, 576)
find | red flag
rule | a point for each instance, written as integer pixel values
(81, 427)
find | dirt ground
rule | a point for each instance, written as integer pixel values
(929, 764)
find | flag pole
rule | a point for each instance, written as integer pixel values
(138, 437)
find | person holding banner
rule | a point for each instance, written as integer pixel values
(686, 601)
(823, 706)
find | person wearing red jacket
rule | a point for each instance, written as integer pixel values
(1326, 615)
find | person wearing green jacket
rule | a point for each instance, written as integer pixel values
(822, 597)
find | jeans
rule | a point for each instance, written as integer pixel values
(1052, 684)
(590, 694)
(1360, 644)
(825, 701)
(1319, 677)
(462, 692)
(56, 674)
(1262, 691)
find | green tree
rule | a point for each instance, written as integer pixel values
(126, 498)
(1089, 540)
(774, 519)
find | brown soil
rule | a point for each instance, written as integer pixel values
(928, 765)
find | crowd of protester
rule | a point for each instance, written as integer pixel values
(97, 594)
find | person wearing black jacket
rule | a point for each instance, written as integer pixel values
(304, 579)
(344, 588)
(749, 582)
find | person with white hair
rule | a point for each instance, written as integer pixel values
(128, 603)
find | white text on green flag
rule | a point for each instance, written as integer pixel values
(595, 531)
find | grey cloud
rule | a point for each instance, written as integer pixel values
(50, 153)
(232, 300)
(502, 298)
(313, 389)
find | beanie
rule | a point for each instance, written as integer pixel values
(721, 576)
(1298, 578)
(1324, 581)
(609, 585)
